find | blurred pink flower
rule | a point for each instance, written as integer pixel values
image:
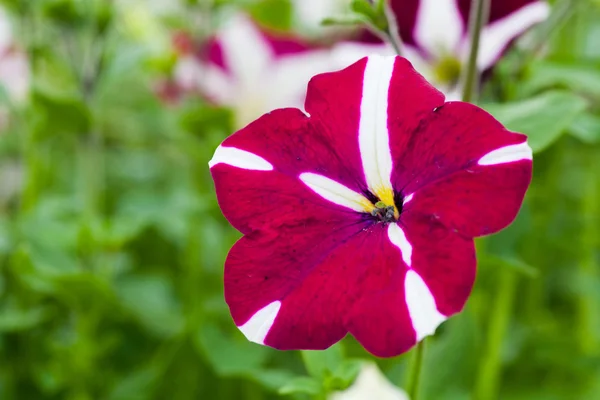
(251, 70)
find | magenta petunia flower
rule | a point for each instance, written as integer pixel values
(436, 38)
(359, 216)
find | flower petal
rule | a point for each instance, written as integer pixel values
(336, 193)
(294, 144)
(396, 307)
(398, 238)
(380, 319)
(373, 137)
(496, 36)
(257, 174)
(355, 288)
(333, 101)
(421, 304)
(411, 100)
(480, 200)
(444, 260)
(406, 14)
(437, 285)
(452, 138)
(311, 271)
(206, 78)
(421, 64)
(498, 9)
(439, 26)
(258, 326)
(507, 154)
(245, 51)
(15, 74)
(252, 197)
(240, 159)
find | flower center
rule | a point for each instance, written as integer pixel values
(447, 70)
(384, 205)
(383, 212)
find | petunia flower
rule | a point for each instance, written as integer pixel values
(359, 216)
(370, 384)
(436, 38)
(251, 70)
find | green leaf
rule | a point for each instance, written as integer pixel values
(321, 363)
(374, 15)
(344, 375)
(510, 262)
(301, 384)
(13, 319)
(457, 344)
(276, 14)
(363, 7)
(151, 300)
(272, 379)
(197, 118)
(67, 13)
(228, 356)
(586, 128)
(577, 77)
(137, 384)
(348, 371)
(231, 355)
(542, 118)
(57, 114)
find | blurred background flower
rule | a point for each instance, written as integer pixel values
(249, 69)
(14, 67)
(370, 384)
(436, 39)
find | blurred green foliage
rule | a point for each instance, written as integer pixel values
(112, 244)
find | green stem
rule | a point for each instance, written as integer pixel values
(486, 386)
(480, 12)
(252, 391)
(92, 168)
(30, 156)
(415, 373)
(392, 28)
(587, 305)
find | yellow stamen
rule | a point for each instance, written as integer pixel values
(367, 206)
